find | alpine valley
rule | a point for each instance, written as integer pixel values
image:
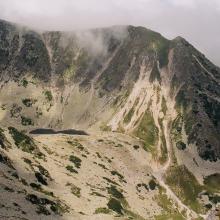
(105, 124)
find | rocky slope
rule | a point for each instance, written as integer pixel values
(160, 97)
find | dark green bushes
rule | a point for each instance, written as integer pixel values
(76, 160)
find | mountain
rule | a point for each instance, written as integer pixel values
(109, 123)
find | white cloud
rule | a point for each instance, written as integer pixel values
(196, 20)
(184, 3)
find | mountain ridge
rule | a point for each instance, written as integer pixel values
(116, 83)
(41, 55)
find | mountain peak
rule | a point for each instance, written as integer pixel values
(105, 122)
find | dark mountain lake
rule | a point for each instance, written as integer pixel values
(51, 131)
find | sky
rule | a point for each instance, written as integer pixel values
(198, 21)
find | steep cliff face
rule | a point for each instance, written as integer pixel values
(131, 80)
(22, 51)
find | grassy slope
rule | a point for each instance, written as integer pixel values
(147, 131)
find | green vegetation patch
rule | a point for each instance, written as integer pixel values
(102, 210)
(104, 127)
(169, 211)
(176, 216)
(163, 201)
(116, 173)
(39, 112)
(115, 192)
(115, 205)
(75, 190)
(41, 178)
(28, 102)
(48, 95)
(177, 128)
(214, 198)
(147, 131)
(164, 106)
(75, 143)
(15, 111)
(110, 181)
(129, 115)
(45, 205)
(25, 121)
(152, 184)
(118, 145)
(24, 82)
(185, 186)
(97, 194)
(69, 72)
(140, 185)
(24, 142)
(43, 171)
(181, 145)
(71, 169)
(155, 74)
(76, 160)
(212, 182)
(164, 153)
(38, 188)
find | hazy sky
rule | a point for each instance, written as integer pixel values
(196, 20)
